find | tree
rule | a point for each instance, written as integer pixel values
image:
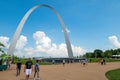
(89, 54)
(118, 51)
(2, 44)
(108, 53)
(98, 53)
(3, 55)
(114, 52)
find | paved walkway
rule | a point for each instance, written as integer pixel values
(76, 71)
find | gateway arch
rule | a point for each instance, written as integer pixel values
(22, 22)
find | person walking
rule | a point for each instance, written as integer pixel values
(1, 61)
(84, 62)
(104, 61)
(9, 63)
(63, 62)
(36, 69)
(18, 68)
(28, 68)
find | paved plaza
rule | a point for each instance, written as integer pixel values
(75, 71)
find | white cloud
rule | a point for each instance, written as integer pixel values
(42, 39)
(58, 51)
(43, 48)
(77, 50)
(4, 40)
(21, 42)
(114, 40)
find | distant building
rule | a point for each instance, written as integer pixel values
(116, 56)
(57, 60)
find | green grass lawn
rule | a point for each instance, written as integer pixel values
(107, 60)
(41, 63)
(113, 74)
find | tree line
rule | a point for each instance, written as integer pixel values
(97, 53)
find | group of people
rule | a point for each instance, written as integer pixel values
(63, 62)
(102, 61)
(28, 68)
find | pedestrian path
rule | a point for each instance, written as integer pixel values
(74, 71)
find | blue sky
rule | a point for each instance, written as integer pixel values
(93, 24)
